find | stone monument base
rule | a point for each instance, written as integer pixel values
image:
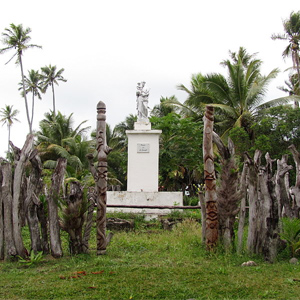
(144, 198)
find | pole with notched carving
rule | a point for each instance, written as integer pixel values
(210, 181)
(101, 176)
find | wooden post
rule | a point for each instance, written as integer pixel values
(101, 178)
(210, 181)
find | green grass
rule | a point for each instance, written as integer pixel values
(151, 264)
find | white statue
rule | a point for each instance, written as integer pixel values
(142, 94)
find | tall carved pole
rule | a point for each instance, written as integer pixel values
(210, 181)
(101, 178)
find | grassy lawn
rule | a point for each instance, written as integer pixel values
(150, 263)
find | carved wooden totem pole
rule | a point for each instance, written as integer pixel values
(101, 178)
(210, 181)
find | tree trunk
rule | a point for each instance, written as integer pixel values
(285, 201)
(73, 218)
(253, 201)
(17, 184)
(53, 199)
(53, 95)
(268, 229)
(210, 181)
(10, 248)
(101, 181)
(228, 193)
(32, 110)
(8, 127)
(44, 227)
(32, 201)
(242, 215)
(25, 96)
(296, 188)
(263, 210)
(92, 200)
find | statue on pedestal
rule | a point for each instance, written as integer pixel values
(142, 94)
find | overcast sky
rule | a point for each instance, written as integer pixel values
(106, 47)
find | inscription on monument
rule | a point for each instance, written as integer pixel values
(143, 148)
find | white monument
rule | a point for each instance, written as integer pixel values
(143, 165)
(143, 148)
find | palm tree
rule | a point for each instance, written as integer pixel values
(74, 149)
(17, 38)
(291, 86)
(51, 77)
(55, 128)
(292, 34)
(8, 116)
(119, 131)
(161, 110)
(57, 138)
(239, 96)
(33, 84)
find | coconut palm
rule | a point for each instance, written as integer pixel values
(17, 38)
(291, 86)
(57, 138)
(8, 116)
(119, 131)
(33, 84)
(51, 77)
(237, 97)
(74, 149)
(55, 128)
(292, 35)
(161, 110)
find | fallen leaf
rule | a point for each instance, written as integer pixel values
(111, 272)
(62, 277)
(99, 272)
(81, 272)
(91, 287)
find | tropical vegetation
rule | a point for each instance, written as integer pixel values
(17, 38)
(238, 97)
(291, 34)
(241, 114)
(50, 77)
(8, 116)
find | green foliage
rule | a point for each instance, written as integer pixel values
(291, 234)
(274, 131)
(194, 214)
(58, 139)
(277, 129)
(241, 140)
(34, 258)
(181, 161)
(190, 201)
(237, 97)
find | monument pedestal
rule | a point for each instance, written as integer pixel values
(142, 175)
(143, 154)
(142, 167)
